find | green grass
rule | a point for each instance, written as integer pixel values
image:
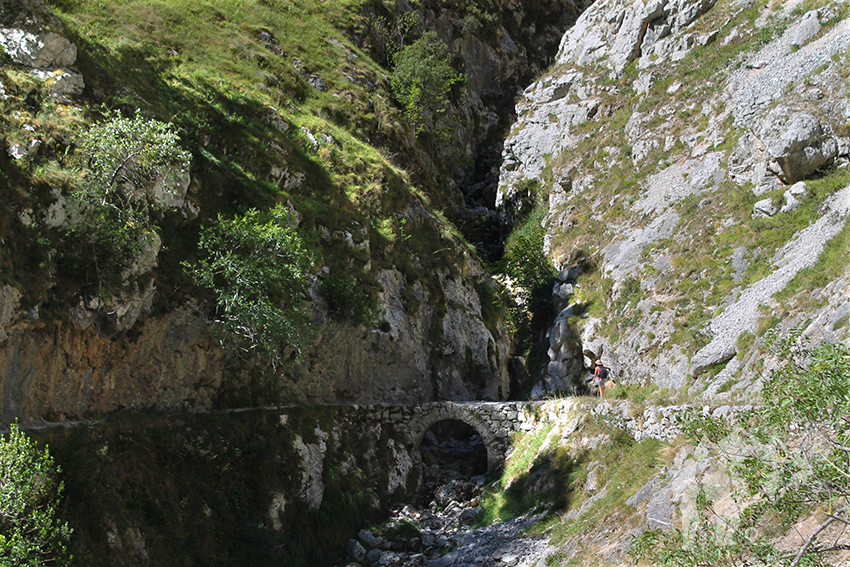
(225, 75)
(512, 495)
(625, 467)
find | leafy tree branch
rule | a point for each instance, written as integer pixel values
(255, 265)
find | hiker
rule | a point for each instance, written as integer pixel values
(600, 377)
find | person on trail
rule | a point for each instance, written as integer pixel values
(600, 377)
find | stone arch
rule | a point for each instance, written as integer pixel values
(441, 412)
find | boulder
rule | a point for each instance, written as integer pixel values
(369, 538)
(355, 550)
(793, 197)
(61, 83)
(797, 141)
(764, 208)
(43, 50)
(808, 28)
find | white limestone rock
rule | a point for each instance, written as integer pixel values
(312, 467)
(45, 50)
(808, 28)
(61, 83)
(797, 141)
(764, 208)
(615, 32)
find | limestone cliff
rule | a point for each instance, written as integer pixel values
(77, 341)
(693, 153)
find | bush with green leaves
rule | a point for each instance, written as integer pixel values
(255, 264)
(31, 533)
(134, 169)
(791, 457)
(423, 78)
(525, 262)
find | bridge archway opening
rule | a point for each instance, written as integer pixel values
(450, 449)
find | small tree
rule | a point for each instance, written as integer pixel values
(134, 169)
(392, 37)
(792, 455)
(423, 78)
(30, 532)
(255, 265)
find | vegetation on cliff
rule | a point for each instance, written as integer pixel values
(32, 533)
(791, 458)
(248, 106)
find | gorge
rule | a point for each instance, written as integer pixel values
(661, 184)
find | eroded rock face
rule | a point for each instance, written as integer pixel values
(615, 33)
(781, 110)
(520, 42)
(31, 36)
(115, 355)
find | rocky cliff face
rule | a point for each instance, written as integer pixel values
(144, 344)
(694, 151)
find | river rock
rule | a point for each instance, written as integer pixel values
(355, 550)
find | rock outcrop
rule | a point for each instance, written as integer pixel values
(31, 36)
(123, 348)
(648, 151)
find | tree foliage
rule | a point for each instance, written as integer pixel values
(134, 169)
(392, 36)
(255, 264)
(423, 78)
(791, 456)
(31, 534)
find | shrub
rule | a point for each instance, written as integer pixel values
(134, 167)
(525, 262)
(423, 78)
(255, 265)
(790, 456)
(30, 531)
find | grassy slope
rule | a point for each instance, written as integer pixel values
(578, 471)
(218, 71)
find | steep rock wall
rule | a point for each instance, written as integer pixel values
(667, 137)
(132, 349)
(282, 486)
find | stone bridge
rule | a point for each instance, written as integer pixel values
(494, 421)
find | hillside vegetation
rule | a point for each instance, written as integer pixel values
(310, 108)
